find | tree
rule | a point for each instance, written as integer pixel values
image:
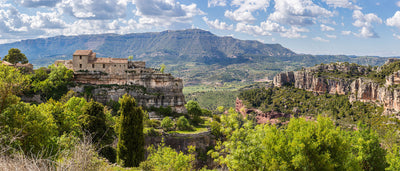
(14, 56)
(130, 147)
(194, 110)
(94, 122)
(162, 68)
(12, 82)
(130, 58)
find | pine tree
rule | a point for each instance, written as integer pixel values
(130, 148)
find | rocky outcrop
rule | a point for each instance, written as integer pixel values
(149, 89)
(311, 82)
(358, 88)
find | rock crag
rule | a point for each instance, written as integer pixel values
(149, 89)
(346, 79)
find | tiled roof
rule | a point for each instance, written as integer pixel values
(6, 63)
(83, 52)
(109, 60)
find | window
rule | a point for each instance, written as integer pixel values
(104, 65)
(80, 57)
(92, 65)
(80, 65)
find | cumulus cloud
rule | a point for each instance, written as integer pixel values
(213, 3)
(396, 36)
(294, 32)
(398, 3)
(159, 12)
(216, 24)
(394, 21)
(365, 21)
(38, 3)
(245, 9)
(320, 39)
(346, 32)
(331, 36)
(326, 28)
(341, 4)
(251, 29)
(47, 21)
(264, 29)
(298, 12)
(91, 9)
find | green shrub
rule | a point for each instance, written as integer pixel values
(183, 124)
(167, 124)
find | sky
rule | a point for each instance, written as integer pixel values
(329, 27)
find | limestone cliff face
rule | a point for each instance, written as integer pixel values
(358, 88)
(310, 82)
(149, 89)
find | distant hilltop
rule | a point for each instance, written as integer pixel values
(182, 45)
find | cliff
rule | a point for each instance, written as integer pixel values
(149, 89)
(360, 83)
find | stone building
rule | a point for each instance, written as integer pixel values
(148, 86)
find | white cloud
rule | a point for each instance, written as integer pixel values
(38, 3)
(398, 3)
(320, 39)
(165, 12)
(298, 12)
(365, 21)
(251, 29)
(346, 32)
(341, 4)
(394, 21)
(326, 28)
(264, 29)
(47, 21)
(396, 36)
(331, 36)
(216, 24)
(245, 10)
(213, 3)
(294, 32)
(93, 9)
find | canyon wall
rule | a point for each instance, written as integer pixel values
(358, 86)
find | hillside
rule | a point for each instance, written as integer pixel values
(197, 56)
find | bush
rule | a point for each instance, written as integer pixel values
(183, 124)
(166, 158)
(167, 124)
(152, 132)
(153, 123)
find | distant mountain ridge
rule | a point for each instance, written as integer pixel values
(192, 45)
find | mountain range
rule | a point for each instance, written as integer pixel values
(183, 45)
(195, 55)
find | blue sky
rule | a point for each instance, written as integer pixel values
(350, 27)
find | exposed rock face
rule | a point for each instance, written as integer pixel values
(149, 89)
(359, 89)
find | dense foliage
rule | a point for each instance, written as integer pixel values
(166, 158)
(301, 145)
(53, 84)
